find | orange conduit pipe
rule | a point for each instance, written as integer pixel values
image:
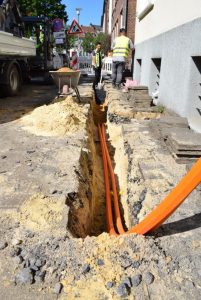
(109, 217)
(170, 203)
(114, 186)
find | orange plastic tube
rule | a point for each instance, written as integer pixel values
(109, 217)
(171, 202)
(114, 189)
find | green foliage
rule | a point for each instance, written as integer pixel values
(50, 8)
(160, 108)
(70, 42)
(89, 42)
(105, 40)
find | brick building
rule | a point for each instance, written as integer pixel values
(93, 29)
(118, 14)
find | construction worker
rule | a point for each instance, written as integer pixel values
(97, 57)
(121, 46)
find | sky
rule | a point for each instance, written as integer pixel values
(91, 11)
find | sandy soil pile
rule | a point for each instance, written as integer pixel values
(65, 69)
(57, 119)
(40, 213)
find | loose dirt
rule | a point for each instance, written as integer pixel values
(43, 214)
(57, 119)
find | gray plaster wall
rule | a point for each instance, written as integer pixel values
(178, 79)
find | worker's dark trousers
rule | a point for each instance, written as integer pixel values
(97, 77)
(117, 72)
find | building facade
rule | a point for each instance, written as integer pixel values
(118, 14)
(168, 54)
(106, 20)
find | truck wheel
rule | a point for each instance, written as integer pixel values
(14, 80)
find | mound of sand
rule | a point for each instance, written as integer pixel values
(40, 213)
(57, 119)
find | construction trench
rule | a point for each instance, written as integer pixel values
(56, 243)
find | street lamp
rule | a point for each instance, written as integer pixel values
(78, 13)
(78, 39)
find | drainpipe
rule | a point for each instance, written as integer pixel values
(126, 15)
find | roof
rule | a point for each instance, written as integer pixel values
(88, 29)
(96, 27)
(93, 29)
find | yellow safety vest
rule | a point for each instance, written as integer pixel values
(98, 63)
(121, 47)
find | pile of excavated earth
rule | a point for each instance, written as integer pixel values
(53, 239)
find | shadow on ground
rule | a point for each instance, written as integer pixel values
(180, 226)
(31, 96)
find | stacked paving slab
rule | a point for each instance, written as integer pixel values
(139, 96)
(124, 106)
(183, 143)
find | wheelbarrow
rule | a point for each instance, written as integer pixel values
(70, 78)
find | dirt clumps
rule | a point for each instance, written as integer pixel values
(57, 119)
(44, 214)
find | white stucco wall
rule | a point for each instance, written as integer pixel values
(165, 15)
(178, 81)
(110, 17)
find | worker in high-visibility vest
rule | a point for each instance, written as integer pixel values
(121, 47)
(97, 57)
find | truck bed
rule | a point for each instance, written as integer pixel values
(14, 46)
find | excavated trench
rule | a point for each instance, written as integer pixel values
(87, 214)
(87, 207)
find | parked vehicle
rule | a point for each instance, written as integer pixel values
(15, 50)
(24, 58)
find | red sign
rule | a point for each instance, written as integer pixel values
(75, 28)
(57, 24)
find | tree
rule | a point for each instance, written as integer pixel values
(105, 40)
(70, 41)
(50, 8)
(89, 42)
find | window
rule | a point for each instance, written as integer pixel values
(155, 74)
(138, 70)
